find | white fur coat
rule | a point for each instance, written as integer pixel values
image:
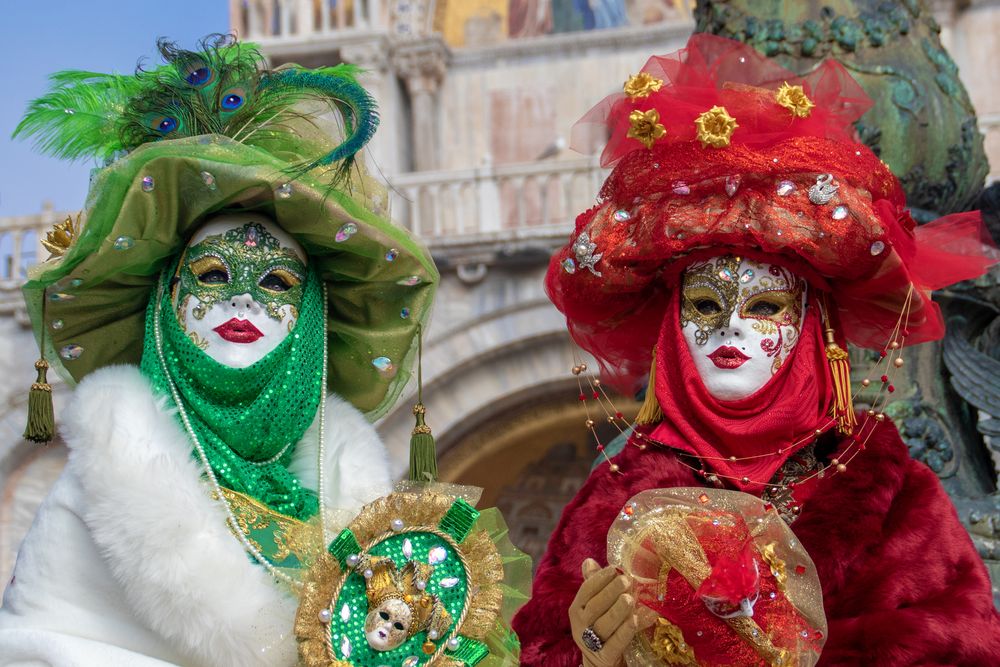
(130, 562)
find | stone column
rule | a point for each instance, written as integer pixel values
(421, 63)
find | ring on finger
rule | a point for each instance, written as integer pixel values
(591, 640)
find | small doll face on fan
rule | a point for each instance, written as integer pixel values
(741, 319)
(239, 288)
(387, 625)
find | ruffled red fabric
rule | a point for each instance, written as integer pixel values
(902, 582)
(789, 408)
(663, 207)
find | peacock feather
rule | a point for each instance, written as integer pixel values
(224, 88)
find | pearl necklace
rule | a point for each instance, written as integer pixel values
(213, 481)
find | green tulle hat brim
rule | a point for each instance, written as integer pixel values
(141, 211)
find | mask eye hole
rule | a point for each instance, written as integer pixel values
(210, 271)
(764, 308)
(707, 306)
(384, 615)
(398, 625)
(279, 280)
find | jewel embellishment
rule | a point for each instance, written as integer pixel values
(124, 243)
(645, 127)
(794, 99)
(641, 85)
(732, 185)
(284, 190)
(71, 352)
(715, 127)
(209, 180)
(60, 296)
(569, 265)
(681, 188)
(147, 184)
(621, 215)
(877, 248)
(57, 325)
(840, 213)
(785, 188)
(345, 613)
(383, 364)
(404, 313)
(585, 256)
(449, 582)
(391, 254)
(437, 555)
(346, 232)
(824, 189)
(345, 647)
(412, 661)
(409, 281)
(747, 276)
(408, 548)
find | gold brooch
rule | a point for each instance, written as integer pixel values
(715, 127)
(62, 236)
(795, 100)
(641, 85)
(645, 127)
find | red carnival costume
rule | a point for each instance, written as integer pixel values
(718, 150)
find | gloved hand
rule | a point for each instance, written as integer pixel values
(603, 606)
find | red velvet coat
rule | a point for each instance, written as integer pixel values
(902, 582)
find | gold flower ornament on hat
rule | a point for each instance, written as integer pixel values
(715, 127)
(645, 127)
(641, 85)
(794, 99)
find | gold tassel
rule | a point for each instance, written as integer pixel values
(41, 418)
(840, 372)
(650, 412)
(423, 451)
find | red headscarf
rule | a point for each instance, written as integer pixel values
(793, 404)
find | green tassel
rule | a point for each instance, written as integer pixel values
(423, 454)
(469, 652)
(459, 520)
(345, 545)
(41, 418)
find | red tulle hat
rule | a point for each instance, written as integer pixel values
(717, 149)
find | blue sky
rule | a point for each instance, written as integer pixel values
(37, 38)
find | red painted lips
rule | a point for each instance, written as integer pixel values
(728, 357)
(238, 331)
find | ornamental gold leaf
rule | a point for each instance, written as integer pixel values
(641, 85)
(715, 127)
(794, 99)
(645, 127)
(62, 236)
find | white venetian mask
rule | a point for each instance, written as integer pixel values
(387, 626)
(239, 288)
(741, 319)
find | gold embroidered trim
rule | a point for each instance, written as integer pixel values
(291, 536)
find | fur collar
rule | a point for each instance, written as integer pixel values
(166, 541)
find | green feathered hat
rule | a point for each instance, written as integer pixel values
(209, 131)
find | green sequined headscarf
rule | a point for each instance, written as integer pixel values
(248, 420)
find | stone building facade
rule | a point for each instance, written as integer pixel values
(478, 98)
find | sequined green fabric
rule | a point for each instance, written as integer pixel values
(247, 419)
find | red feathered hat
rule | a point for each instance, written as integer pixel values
(717, 149)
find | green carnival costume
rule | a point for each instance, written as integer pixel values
(213, 135)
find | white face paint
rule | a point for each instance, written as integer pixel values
(741, 319)
(239, 288)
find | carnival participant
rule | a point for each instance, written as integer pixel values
(235, 311)
(743, 238)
